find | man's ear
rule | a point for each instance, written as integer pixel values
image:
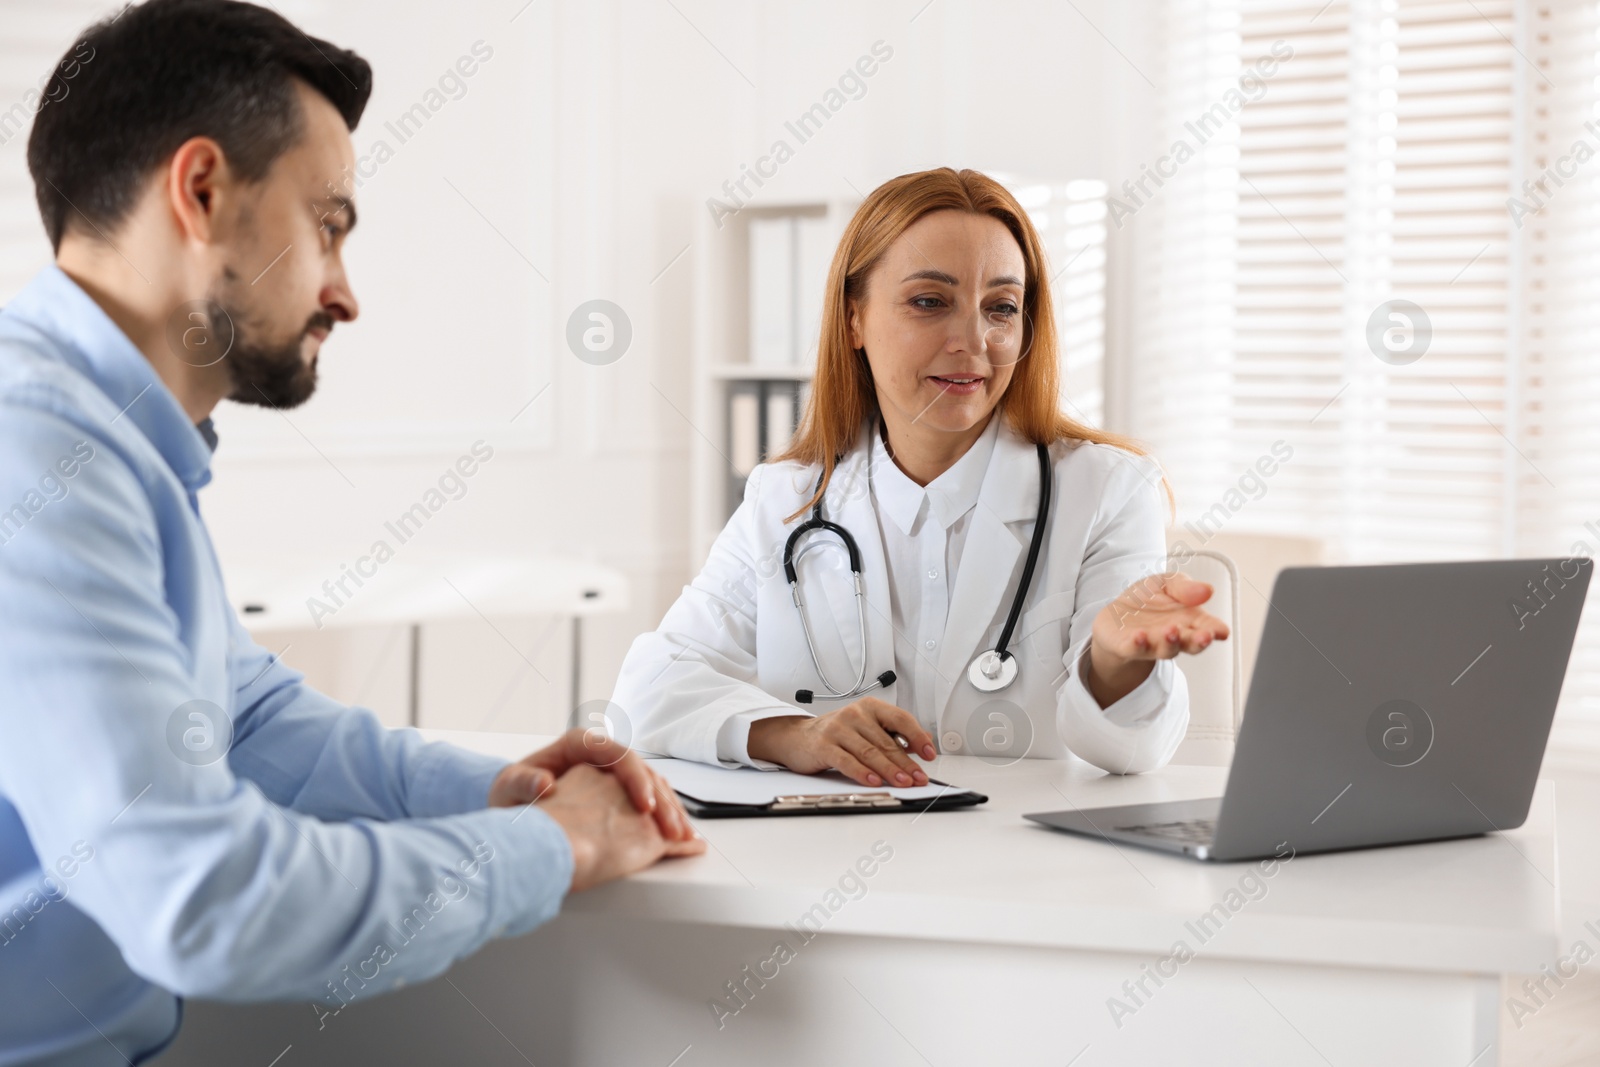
(198, 180)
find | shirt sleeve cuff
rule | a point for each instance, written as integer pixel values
(733, 737)
(1137, 708)
(537, 875)
(452, 781)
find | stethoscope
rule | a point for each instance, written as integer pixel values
(990, 672)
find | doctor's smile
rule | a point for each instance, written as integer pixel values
(999, 547)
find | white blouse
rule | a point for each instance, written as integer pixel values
(924, 530)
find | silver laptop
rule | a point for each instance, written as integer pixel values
(1389, 704)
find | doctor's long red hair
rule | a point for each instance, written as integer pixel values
(842, 394)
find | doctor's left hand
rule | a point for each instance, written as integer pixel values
(535, 777)
(1155, 618)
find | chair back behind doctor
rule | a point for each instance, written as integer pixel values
(1241, 568)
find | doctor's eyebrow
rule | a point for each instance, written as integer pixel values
(950, 279)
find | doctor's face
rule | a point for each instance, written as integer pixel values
(942, 322)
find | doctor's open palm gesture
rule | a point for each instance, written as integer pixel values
(1154, 618)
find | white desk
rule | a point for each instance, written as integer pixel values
(986, 939)
(415, 588)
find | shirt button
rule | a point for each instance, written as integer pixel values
(950, 741)
(929, 643)
(933, 573)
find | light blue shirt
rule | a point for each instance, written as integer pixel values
(320, 858)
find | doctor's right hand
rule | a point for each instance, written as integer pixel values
(610, 836)
(855, 740)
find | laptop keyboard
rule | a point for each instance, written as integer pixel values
(1193, 831)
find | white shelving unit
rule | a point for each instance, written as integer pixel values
(721, 350)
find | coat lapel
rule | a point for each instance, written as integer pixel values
(991, 559)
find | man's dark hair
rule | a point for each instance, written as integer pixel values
(148, 79)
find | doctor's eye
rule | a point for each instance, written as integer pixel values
(1006, 310)
(926, 303)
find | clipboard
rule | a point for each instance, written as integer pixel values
(711, 792)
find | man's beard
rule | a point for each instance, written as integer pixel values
(274, 376)
(262, 373)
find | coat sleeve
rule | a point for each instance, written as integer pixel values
(689, 688)
(1141, 731)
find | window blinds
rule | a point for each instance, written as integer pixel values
(1556, 212)
(1343, 265)
(1070, 218)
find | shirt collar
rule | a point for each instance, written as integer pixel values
(208, 432)
(946, 498)
(896, 495)
(92, 344)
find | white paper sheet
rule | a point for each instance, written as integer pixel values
(746, 785)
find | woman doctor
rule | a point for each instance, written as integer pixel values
(922, 601)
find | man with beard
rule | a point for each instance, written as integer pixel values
(179, 813)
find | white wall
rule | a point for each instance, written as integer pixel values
(590, 140)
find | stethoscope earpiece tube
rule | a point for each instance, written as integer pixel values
(885, 680)
(819, 524)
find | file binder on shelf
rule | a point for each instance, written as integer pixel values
(762, 416)
(788, 271)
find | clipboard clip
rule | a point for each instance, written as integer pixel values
(830, 801)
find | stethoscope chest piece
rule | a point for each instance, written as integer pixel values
(992, 671)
